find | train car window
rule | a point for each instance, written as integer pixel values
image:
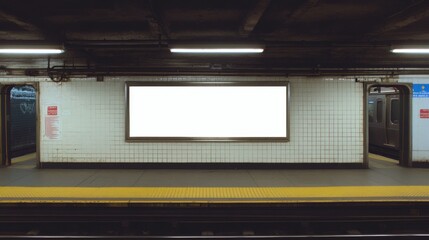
(379, 111)
(394, 111)
(371, 111)
(198, 111)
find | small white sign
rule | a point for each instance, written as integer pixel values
(52, 127)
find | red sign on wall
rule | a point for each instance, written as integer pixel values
(424, 113)
(52, 110)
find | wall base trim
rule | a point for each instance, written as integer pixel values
(420, 164)
(203, 165)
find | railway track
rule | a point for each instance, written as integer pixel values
(298, 221)
(355, 236)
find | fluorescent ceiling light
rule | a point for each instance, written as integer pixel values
(216, 50)
(411, 50)
(30, 51)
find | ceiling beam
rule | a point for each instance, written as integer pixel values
(20, 22)
(156, 20)
(404, 18)
(30, 24)
(154, 25)
(253, 16)
(39, 27)
(302, 9)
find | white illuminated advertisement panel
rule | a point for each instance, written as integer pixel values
(218, 112)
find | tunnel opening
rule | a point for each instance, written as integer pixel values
(19, 125)
(388, 131)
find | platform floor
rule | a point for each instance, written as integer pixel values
(384, 181)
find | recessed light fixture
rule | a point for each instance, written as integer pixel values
(30, 51)
(216, 50)
(411, 50)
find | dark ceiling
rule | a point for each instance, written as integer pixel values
(135, 34)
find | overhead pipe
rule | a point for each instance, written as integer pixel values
(92, 72)
(137, 71)
(89, 71)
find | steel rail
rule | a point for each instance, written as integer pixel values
(328, 236)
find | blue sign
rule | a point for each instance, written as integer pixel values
(421, 90)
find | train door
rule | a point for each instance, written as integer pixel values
(19, 125)
(392, 121)
(388, 108)
(376, 119)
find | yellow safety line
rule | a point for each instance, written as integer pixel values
(381, 158)
(24, 158)
(214, 194)
(126, 202)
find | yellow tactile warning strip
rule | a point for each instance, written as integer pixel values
(213, 194)
(24, 158)
(381, 158)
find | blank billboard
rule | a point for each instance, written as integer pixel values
(207, 112)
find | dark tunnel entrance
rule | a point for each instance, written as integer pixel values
(19, 125)
(388, 109)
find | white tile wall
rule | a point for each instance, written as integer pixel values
(326, 125)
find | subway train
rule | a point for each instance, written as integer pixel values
(383, 121)
(22, 120)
